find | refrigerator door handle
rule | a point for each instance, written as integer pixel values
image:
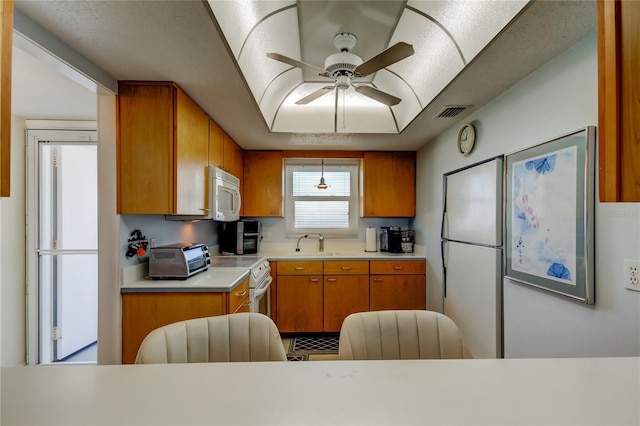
(444, 218)
(444, 269)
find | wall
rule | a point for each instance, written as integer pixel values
(558, 98)
(165, 232)
(275, 231)
(12, 258)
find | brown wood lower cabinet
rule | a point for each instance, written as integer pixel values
(315, 296)
(299, 303)
(144, 312)
(397, 285)
(397, 292)
(344, 295)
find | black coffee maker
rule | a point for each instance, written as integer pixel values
(394, 237)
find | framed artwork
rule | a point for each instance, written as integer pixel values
(549, 196)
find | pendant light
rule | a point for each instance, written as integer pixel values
(322, 184)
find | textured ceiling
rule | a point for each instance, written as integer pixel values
(180, 41)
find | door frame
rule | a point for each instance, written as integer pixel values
(37, 131)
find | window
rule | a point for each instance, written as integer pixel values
(331, 211)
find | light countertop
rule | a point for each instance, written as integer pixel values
(568, 391)
(211, 280)
(333, 251)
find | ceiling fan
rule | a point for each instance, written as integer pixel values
(344, 66)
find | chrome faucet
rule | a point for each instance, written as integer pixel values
(320, 243)
(298, 243)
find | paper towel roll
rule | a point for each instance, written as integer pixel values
(371, 240)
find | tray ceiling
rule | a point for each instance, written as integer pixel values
(183, 41)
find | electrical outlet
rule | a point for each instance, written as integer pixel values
(152, 242)
(632, 274)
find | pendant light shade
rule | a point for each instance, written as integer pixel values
(322, 184)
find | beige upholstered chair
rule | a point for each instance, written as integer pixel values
(400, 335)
(224, 338)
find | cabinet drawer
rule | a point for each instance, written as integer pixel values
(238, 295)
(400, 267)
(346, 267)
(245, 306)
(300, 268)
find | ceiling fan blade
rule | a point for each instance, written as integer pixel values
(296, 63)
(395, 53)
(315, 95)
(378, 95)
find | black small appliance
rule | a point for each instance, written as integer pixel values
(395, 239)
(240, 237)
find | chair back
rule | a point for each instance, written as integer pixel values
(410, 334)
(225, 338)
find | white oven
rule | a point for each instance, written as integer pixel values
(259, 278)
(260, 297)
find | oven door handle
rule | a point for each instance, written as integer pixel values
(264, 288)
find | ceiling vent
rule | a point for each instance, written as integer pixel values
(450, 111)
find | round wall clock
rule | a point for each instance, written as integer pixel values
(466, 139)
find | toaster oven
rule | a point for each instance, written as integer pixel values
(178, 261)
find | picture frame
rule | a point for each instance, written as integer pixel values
(549, 215)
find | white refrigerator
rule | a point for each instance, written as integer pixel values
(472, 255)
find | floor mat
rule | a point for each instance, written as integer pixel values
(311, 345)
(304, 357)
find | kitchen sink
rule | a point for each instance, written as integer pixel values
(314, 255)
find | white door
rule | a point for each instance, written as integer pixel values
(63, 258)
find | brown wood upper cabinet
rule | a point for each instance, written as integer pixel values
(163, 150)
(618, 94)
(388, 184)
(224, 153)
(6, 33)
(263, 188)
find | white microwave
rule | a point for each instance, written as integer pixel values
(224, 198)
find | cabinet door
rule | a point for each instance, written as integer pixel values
(618, 93)
(263, 187)
(233, 160)
(192, 155)
(144, 312)
(344, 295)
(299, 303)
(6, 34)
(388, 184)
(145, 149)
(216, 142)
(397, 292)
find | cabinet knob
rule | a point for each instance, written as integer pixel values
(314, 280)
(299, 268)
(331, 280)
(397, 268)
(241, 293)
(378, 280)
(346, 268)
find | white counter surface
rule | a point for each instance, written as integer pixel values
(585, 391)
(335, 251)
(213, 279)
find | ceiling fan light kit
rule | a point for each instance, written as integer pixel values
(343, 66)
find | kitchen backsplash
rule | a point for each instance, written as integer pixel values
(206, 231)
(164, 232)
